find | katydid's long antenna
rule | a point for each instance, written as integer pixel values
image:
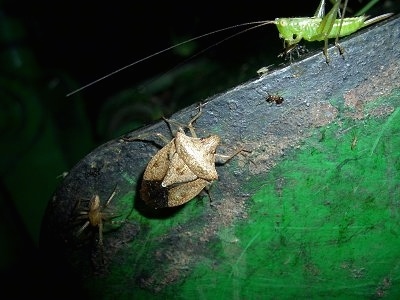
(165, 50)
(262, 23)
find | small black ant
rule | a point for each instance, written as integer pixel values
(274, 99)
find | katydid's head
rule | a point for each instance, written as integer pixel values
(288, 31)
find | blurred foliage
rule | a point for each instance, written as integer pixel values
(37, 134)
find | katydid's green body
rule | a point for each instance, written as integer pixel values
(321, 27)
(293, 30)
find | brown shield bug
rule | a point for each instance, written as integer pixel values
(181, 169)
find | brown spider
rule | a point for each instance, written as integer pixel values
(95, 215)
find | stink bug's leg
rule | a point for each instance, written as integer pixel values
(144, 138)
(163, 138)
(169, 122)
(197, 115)
(207, 191)
(190, 124)
(226, 158)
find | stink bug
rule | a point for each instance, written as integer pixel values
(181, 169)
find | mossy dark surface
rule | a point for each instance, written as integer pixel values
(311, 211)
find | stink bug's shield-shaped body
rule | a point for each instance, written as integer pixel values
(179, 171)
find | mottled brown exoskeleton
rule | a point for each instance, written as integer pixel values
(181, 169)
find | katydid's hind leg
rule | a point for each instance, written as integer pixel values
(341, 15)
(340, 48)
(325, 27)
(326, 54)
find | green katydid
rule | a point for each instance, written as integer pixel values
(320, 27)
